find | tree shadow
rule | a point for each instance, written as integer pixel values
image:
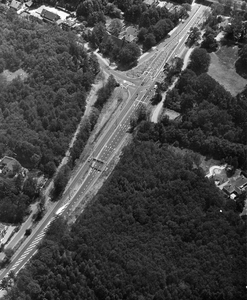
(123, 68)
(241, 68)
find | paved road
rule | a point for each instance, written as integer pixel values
(89, 173)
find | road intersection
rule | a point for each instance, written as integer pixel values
(110, 140)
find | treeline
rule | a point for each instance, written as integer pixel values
(40, 113)
(104, 93)
(212, 121)
(122, 52)
(158, 229)
(14, 202)
(86, 127)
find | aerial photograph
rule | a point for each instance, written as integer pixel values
(123, 150)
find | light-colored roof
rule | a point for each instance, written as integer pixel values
(29, 3)
(129, 37)
(8, 233)
(241, 182)
(9, 161)
(59, 21)
(236, 186)
(15, 4)
(150, 2)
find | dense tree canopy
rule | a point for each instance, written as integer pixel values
(39, 115)
(40, 111)
(155, 231)
(213, 122)
(199, 61)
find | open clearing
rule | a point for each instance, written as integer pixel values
(222, 69)
(9, 76)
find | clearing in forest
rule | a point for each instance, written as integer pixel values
(9, 76)
(222, 69)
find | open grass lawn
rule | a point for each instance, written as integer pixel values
(222, 69)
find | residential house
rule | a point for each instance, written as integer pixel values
(235, 188)
(224, 24)
(15, 5)
(68, 24)
(25, 14)
(7, 165)
(2, 230)
(49, 16)
(117, 41)
(9, 230)
(131, 34)
(29, 3)
(177, 10)
(151, 2)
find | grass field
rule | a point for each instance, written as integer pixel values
(222, 69)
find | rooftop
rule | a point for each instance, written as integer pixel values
(15, 4)
(150, 2)
(48, 15)
(236, 186)
(29, 3)
(8, 161)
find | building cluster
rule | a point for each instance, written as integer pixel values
(236, 187)
(232, 182)
(6, 232)
(59, 16)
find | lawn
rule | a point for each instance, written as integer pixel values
(222, 69)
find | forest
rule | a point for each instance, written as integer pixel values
(40, 111)
(158, 229)
(212, 121)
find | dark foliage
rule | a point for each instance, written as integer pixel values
(105, 92)
(213, 122)
(155, 232)
(199, 61)
(39, 115)
(241, 63)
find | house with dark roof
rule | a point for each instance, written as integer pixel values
(49, 16)
(15, 5)
(67, 25)
(235, 188)
(117, 41)
(178, 11)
